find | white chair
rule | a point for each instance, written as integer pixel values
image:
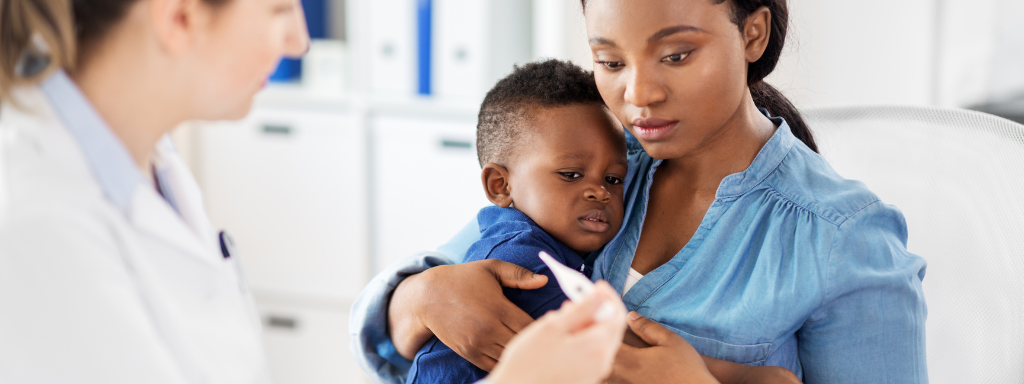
(958, 177)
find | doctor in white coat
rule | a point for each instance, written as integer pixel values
(109, 269)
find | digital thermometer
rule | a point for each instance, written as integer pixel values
(575, 285)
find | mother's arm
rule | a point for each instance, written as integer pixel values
(464, 306)
(870, 327)
(371, 325)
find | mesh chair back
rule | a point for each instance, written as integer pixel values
(958, 177)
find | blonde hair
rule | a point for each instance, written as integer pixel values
(36, 37)
(40, 36)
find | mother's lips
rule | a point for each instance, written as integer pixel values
(652, 122)
(653, 129)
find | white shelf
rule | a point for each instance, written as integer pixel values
(294, 97)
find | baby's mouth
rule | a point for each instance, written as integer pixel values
(595, 221)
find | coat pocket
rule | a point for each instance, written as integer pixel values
(749, 354)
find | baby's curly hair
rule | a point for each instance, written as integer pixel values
(506, 108)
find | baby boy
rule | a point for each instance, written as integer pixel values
(553, 163)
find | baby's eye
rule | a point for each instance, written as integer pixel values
(613, 180)
(571, 175)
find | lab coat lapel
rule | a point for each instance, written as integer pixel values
(151, 214)
(187, 228)
(182, 185)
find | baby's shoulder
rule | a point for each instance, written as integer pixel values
(519, 247)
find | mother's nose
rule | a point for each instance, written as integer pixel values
(644, 87)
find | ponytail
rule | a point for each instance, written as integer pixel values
(36, 37)
(767, 97)
(764, 95)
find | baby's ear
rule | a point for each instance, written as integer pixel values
(497, 185)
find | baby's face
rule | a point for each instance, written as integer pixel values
(568, 177)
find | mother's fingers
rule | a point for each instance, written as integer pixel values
(481, 342)
(514, 276)
(650, 331)
(626, 365)
(514, 318)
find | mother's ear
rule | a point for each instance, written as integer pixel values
(497, 185)
(756, 33)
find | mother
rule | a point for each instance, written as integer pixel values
(743, 239)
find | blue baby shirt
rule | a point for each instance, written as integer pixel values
(509, 235)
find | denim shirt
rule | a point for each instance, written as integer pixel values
(792, 266)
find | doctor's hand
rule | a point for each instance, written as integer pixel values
(464, 306)
(669, 359)
(569, 345)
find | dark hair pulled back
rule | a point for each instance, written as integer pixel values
(764, 95)
(40, 36)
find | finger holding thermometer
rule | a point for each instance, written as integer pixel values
(576, 285)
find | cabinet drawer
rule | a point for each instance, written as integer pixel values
(426, 184)
(291, 188)
(309, 346)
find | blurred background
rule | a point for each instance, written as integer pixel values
(363, 151)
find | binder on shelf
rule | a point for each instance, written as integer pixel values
(424, 33)
(391, 33)
(476, 42)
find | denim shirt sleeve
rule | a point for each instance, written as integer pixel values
(371, 344)
(870, 327)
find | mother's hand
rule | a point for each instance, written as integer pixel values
(464, 306)
(669, 359)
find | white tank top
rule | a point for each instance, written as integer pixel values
(631, 279)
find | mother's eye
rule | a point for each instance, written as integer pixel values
(674, 58)
(571, 176)
(611, 64)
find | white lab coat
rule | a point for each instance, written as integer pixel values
(92, 293)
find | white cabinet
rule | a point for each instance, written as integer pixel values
(290, 187)
(426, 183)
(309, 346)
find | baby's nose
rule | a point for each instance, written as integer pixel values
(598, 194)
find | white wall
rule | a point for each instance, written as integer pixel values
(982, 52)
(559, 31)
(858, 52)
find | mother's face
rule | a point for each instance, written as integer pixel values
(672, 71)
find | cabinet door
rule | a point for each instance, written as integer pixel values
(291, 188)
(426, 183)
(309, 346)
